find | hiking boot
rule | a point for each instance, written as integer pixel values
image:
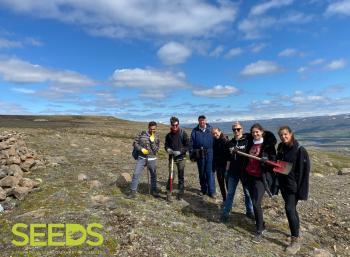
(155, 193)
(169, 197)
(224, 218)
(257, 238)
(250, 215)
(179, 196)
(294, 246)
(131, 195)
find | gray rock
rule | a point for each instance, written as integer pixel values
(95, 184)
(29, 183)
(27, 164)
(15, 170)
(82, 177)
(4, 145)
(13, 160)
(124, 179)
(20, 192)
(2, 194)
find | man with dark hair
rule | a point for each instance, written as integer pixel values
(201, 150)
(147, 145)
(176, 144)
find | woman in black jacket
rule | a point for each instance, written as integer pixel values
(295, 185)
(260, 177)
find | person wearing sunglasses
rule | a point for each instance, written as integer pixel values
(235, 171)
(295, 185)
(176, 145)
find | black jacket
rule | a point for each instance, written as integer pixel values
(268, 150)
(177, 142)
(237, 162)
(297, 181)
(219, 151)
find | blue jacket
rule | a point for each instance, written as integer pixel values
(201, 139)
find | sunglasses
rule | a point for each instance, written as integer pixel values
(236, 129)
(174, 125)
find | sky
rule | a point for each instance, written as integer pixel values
(152, 59)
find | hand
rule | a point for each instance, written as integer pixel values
(176, 153)
(144, 151)
(232, 149)
(170, 151)
(151, 138)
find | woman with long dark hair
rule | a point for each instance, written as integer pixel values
(295, 185)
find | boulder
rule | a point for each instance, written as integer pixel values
(4, 145)
(27, 164)
(9, 181)
(20, 192)
(100, 199)
(124, 179)
(15, 170)
(95, 184)
(321, 253)
(27, 182)
(344, 171)
(82, 177)
(12, 151)
(2, 194)
(13, 160)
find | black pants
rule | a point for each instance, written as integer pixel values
(256, 190)
(290, 205)
(220, 175)
(180, 165)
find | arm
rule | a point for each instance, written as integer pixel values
(136, 143)
(303, 166)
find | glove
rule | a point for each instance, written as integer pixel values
(232, 149)
(264, 159)
(176, 153)
(144, 151)
(151, 138)
(170, 151)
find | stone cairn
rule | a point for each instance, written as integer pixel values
(15, 161)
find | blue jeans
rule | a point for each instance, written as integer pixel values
(232, 185)
(206, 174)
(151, 166)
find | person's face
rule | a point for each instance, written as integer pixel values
(257, 133)
(202, 122)
(174, 126)
(216, 133)
(285, 136)
(152, 129)
(237, 131)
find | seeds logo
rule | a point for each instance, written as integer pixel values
(57, 234)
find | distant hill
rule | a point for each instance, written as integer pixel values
(332, 132)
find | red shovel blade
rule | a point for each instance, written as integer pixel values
(282, 167)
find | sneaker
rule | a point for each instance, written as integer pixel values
(294, 246)
(257, 238)
(131, 195)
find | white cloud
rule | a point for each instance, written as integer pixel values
(19, 71)
(217, 51)
(266, 6)
(216, 91)
(23, 90)
(303, 69)
(336, 64)
(233, 52)
(134, 18)
(260, 68)
(256, 48)
(340, 7)
(173, 53)
(153, 83)
(5, 43)
(317, 62)
(288, 52)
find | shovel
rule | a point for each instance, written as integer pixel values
(171, 174)
(278, 166)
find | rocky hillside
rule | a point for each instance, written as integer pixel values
(81, 183)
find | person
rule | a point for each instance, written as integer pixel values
(295, 185)
(201, 150)
(147, 144)
(220, 159)
(176, 145)
(235, 171)
(260, 177)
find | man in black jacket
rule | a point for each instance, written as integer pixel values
(176, 145)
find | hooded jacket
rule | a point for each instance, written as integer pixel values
(297, 181)
(142, 140)
(219, 150)
(237, 162)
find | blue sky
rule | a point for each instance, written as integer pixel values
(149, 60)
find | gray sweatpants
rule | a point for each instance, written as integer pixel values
(152, 168)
